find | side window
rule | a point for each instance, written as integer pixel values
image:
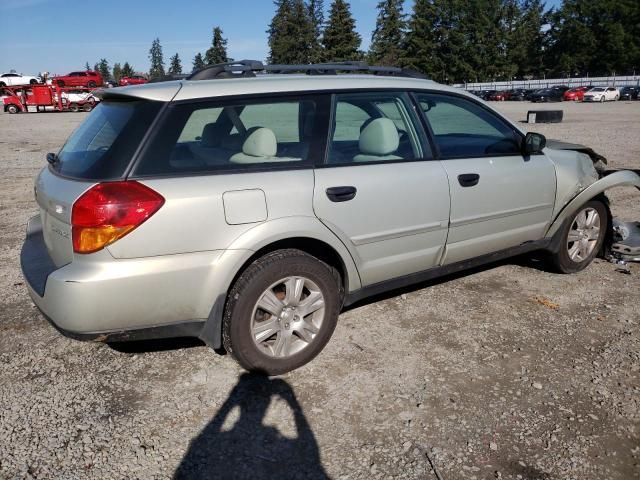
(215, 136)
(374, 127)
(462, 128)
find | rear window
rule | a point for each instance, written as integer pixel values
(102, 146)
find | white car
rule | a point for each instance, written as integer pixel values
(13, 79)
(602, 94)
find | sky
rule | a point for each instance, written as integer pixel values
(58, 37)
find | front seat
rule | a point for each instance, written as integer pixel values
(260, 146)
(378, 141)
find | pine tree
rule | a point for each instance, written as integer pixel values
(175, 65)
(86, 66)
(420, 47)
(291, 33)
(386, 41)
(117, 72)
(341, 42)
(157, 60)
(217, 53)
(127, 70)
(103, 68)
(316, 16)
(198, 62)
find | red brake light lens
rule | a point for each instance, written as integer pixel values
(109, 211)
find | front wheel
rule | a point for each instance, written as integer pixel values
(60, 83)
(13, 109)
(281, 312)
(582, 238)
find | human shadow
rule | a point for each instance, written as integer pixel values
(250, 449)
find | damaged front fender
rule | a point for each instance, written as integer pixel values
(621, 178)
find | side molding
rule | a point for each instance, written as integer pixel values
(621, 178)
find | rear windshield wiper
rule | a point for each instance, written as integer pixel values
(53, 159)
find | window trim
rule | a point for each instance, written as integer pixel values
(519, 136)
(315, 154)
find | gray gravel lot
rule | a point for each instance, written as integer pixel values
(504, 372)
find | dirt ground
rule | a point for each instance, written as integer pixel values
(505, 372)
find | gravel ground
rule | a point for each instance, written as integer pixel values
(504, 372)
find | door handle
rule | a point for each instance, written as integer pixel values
(468, 179)
(341, 194)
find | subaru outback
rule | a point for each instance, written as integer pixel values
(248, 204)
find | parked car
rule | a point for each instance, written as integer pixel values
(486, 94)
(629, 93)
(553, 94)
(88, 78)
(133, 80)
(575, 94)
(500, 96)
(248, 212)
(601, 94)
(15, 79)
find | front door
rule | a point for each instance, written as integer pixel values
(380, 191)
(499, 199)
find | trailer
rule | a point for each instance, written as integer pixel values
(18, 99)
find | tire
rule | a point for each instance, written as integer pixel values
(13, 109)
(616, 98)
(2, 84)
(571, 258)
(74, 107)
(303, 334)
(602, 99)
(33, 81)
(87, 107)
(60, 83)
(91, 84)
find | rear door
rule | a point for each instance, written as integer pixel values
(499, 199)
(379, 190)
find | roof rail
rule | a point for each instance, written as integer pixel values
(248, 68)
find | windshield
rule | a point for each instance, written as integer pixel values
(597, 89)
(104, 144)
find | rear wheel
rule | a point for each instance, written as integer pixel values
(91, 84)
(74, 107)
(281, 312)
(60, 83)
(2, 84)
(87, 107)
(33, 81)
(582, 238)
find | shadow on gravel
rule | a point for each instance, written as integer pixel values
(160, 345)
(250, 449)
(533, 260)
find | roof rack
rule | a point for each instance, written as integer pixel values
(249, 68)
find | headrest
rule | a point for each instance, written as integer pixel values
(211, 135)
(260, 143)
(380, 137)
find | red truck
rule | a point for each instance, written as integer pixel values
(62, 99)
(132, 80)
(87, 78)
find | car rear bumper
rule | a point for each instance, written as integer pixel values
(97, 297)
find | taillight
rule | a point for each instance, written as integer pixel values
(108, 211)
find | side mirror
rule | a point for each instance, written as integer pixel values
(533, 143)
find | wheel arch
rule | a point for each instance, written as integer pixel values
(298, 233)
(594, 191)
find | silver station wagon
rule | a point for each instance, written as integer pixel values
(248, 204)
